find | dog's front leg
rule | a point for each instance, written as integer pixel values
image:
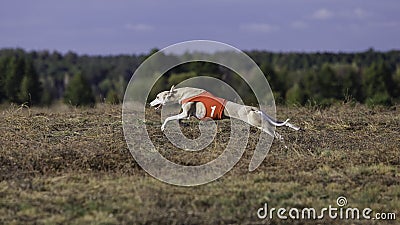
(183, 115)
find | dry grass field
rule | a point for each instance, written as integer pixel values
(72, 166)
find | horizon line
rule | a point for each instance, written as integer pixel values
(65, 52)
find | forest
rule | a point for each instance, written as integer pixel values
(321, 78)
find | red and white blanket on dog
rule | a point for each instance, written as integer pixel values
(214, 105)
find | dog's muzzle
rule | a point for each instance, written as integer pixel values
(156, 103)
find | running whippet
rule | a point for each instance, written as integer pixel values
(202, 105)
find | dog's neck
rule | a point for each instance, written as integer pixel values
(184, 93)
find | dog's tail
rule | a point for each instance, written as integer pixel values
(278, 123)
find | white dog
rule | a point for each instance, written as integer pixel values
(202, 105)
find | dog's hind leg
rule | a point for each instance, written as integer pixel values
(255, 118)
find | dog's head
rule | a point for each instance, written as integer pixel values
(163, 98)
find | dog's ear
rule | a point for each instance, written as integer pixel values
(172, 91)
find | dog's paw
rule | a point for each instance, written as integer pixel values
(292, 126)
(278, 136)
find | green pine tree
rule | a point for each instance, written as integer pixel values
(112, 97)
(377, 82)
(396, 80)
(295, 95)
(13, 78)
(3, 71)
(328, 83)
(351, 86)
(79, 92)
(30, 87)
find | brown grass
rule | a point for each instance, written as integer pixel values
(73, 166)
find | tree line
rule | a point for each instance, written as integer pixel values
(43, 77)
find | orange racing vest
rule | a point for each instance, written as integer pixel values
(214, 105)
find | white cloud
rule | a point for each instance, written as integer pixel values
(322, 14)
(259, 27)
(299, 25)
(386, 24)
(360, 13)
(139, 27)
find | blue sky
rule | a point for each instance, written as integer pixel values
(122, 26)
